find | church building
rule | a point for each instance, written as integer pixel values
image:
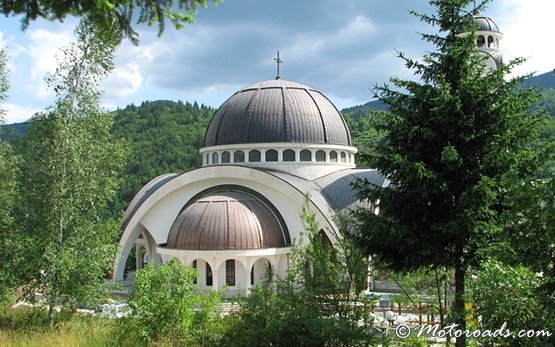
(266, 149)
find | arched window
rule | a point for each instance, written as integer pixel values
(215, 159)
(271, 155)
(226, 157)
(320, 155)
(333, 156)
(306, 155)
(206, 157)
(349, 158)
(194, 266)
(239, 156)
(208, 275)
(289, 155)
(343, 157)
(490, 41)
(254, 155)
(230, 272)
(481, 41)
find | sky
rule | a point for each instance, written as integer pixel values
(340, 47)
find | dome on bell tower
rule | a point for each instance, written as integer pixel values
(488, 36)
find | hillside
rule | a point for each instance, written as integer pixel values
(165, 137)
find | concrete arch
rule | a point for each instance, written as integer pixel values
(157, 212)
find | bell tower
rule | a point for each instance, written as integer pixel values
(488, 37)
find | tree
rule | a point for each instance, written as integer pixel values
(71, 170)
(458, 141)
(165, 307)
(8, 185)
(317, 303)
(111, 16)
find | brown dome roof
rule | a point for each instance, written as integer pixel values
(277, 111)
(227, 220)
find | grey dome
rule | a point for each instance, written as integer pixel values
(277, 111)
(227, 220)
(486, 24)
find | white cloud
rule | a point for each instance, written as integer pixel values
(527, 27)
(42, 50)
(17, 114)
(124, 81)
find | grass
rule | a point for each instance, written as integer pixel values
(22, 327)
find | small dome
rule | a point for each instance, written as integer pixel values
(486, 24)
(277, 111)
(227, 220)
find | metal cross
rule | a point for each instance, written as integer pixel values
(278, 61)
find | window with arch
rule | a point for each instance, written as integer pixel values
(230, 272)
(254, 156)
(306, 155)
(343, 157)
(226, 157)
(333, 156)
(194, 266)
(289, 155)
(239, 156)
(490, 41)
(481, 41)
(208, 275)
(215, 158)
(271, 155)
(206, 158)
(349, 158)
(320, 155)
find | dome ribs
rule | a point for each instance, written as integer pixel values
(277, 111)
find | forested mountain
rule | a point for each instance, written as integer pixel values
(543, 81)
(164, 136)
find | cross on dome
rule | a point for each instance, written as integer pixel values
(278, 61)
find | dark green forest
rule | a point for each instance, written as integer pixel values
(165, 136)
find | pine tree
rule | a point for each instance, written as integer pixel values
(458, 141)
(71, 170)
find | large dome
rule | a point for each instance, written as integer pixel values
(277, 111)
(227, 220)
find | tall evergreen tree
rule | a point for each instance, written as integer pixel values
(459, 140)
(71, 170)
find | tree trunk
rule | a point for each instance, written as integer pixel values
(458, 302)
(51, 306)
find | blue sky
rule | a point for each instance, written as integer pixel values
(341, 47)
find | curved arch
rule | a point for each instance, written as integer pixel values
(285, 192)
(320, 155)
(215, 158)
(254, 156)
(226, 157)
(271, 155)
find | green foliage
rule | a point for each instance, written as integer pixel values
(165, 308)
(507, 295)
(8, 188)
(458, 142)
(164, 136)
(317, 304)
(109, 17)
(70, 171)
